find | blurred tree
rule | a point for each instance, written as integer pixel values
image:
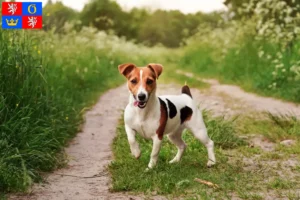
(137, 18)
(163, 27)
(55, 15)
(105, 15)
(166, 27)
(49, 2)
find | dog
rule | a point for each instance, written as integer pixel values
(154, 117)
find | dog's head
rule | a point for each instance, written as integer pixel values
(141, 81)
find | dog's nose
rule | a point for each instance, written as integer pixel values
(142, 96)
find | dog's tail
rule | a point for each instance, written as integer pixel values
(186, 90)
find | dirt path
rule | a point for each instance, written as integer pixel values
(89, 153)
(86, 177)
(242, 100)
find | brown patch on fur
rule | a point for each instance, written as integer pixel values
(148, 80)
(134, 81)
(156, 68)
(185, 114)
(186, 90)
(126, 69)
(163, 119)
(189, 118)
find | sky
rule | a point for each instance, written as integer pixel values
(186, 6)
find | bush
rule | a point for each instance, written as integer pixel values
(260, 53)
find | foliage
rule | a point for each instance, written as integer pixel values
(163, 27)
(105, 15)
(56, 15)
(276, 20)
(151, 28)
(46, 82)
(261, 53)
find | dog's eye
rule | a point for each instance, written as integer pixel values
(134, 81)
(149, 82)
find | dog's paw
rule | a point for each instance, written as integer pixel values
(137, 153)
(151, 165)
(210, 163)
(175, 160)
(147, 169)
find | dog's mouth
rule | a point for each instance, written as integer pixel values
(140, 104)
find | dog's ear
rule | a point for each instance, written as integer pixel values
(156, 68)
(126, 68)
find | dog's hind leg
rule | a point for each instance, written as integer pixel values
(176, 139)
(198, 128)
(134, 146)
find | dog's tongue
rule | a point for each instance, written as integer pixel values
(136, 103)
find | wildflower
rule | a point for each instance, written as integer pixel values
(39, 52)
(261, 53)
(279, 66)
(17, 105)
(48, 14)
(67, 118)
(279, 55)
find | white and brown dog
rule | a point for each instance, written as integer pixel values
(153, 117)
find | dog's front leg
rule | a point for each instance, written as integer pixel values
(155, 151)
(134, 146)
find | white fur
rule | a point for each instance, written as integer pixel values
(146, 122)
(141, 89)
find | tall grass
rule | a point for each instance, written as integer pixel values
(46, 83)
(242, 65)
(260, 51)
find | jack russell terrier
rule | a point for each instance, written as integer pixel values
(153, 117)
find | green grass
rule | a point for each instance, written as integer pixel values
(240, 64)
(171, 76)
(46, 83)
(230, 172)
(278, 183)
(274, 127)
(128, 174)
